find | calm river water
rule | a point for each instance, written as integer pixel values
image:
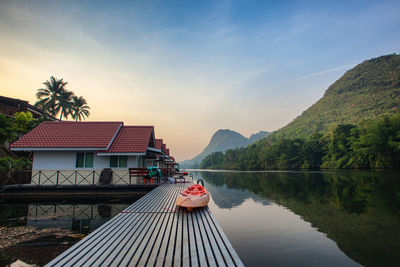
(346, 218)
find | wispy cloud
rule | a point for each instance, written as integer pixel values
(206, 64)
(323, 72)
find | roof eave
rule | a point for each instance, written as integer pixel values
(120, 154)
(154, 150)
(57, 148)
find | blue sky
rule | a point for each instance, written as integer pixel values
(192, 67)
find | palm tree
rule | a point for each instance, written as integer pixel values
(49, 96)
(64, 103)
(79, 108)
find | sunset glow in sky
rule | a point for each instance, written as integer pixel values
(192, 67)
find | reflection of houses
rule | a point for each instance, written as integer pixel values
(79, 217)
(77, 152)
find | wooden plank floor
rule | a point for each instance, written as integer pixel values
(154, 232)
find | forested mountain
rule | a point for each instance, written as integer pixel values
(258, 136)
(356, 124)
(223, 140)
(369, 89)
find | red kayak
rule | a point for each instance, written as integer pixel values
(181, 173)
(194, 196)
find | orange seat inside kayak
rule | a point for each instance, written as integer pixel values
(194, 190)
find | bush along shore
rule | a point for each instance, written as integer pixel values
(373, 144)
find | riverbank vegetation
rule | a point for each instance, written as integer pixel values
(371, 144)
(13, 165)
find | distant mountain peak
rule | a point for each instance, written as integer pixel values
(222, 140)
(225, 131)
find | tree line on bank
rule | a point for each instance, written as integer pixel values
(371, 144)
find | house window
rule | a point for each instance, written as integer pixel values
(84, 160)
(118, 161)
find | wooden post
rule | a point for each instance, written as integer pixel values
(76, 174)
(58, 175)
(40, 172)
(93, 176)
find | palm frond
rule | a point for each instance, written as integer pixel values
(79, 109)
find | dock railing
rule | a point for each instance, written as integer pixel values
(79, 177)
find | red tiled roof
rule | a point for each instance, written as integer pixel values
(132, 139)
(167, 151)
(164, 148)
(159, 143)
(69, 134)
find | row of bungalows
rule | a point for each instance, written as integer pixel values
(79, 153)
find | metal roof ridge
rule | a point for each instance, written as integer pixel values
(115, 136)
(139, 126)
(81, 122)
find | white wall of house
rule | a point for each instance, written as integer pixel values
(54, 160)
(51, 166)
(133, 161)
(66, 160)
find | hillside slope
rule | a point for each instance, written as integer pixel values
(369, 89)
(356, 124)
(223, 140)
(258, 136)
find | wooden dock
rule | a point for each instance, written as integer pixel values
(154, 232)
(43, 193)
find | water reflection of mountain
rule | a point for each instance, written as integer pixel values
(227, 198)
(358, 210)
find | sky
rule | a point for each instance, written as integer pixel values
(192, 67)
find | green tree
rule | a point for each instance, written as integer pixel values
(23, 122)
(268, 156)
(372, 144)
(49, 96)
(340, 150)
(79, 108)
(380, 143)
(213, 161)
(8, 164)
(230, 158)
(7, 132)
(64, 103)
(313, 151)
(290, 152)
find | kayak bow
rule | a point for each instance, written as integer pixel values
(194, 196)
